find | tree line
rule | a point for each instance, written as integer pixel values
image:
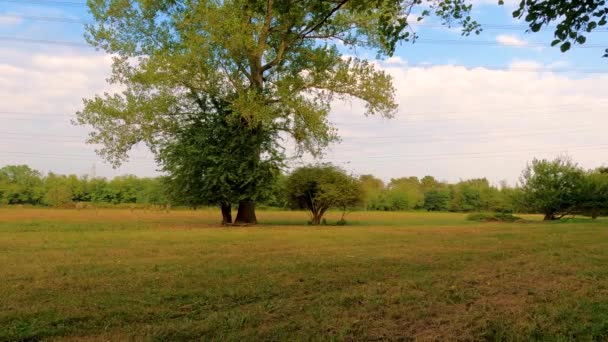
(20, 184)
(554, 188)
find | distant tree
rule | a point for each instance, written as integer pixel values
(429, 182)
(372, 189)
(553, 188)
(100, 191)
(406, 190)
(58, 195)
(22, 185)
(4, 185)
(594, 199)
(319, 188)
(125, 188)
(277, 194)
(437, 200)
(573, 19)
(390, 200)
(152, 191)
(475, 195)
(57, 190)
(512, 199)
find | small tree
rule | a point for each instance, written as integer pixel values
(595, 190)
(21, 185)
(319, 188)
(437, 200)
(58, 195)
(372, 189)
(553, 188)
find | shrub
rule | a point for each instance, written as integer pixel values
(493, 217)
(319, 188)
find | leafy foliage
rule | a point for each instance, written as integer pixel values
(594, 199)
(553, 188)
(437, 200)
(575, 18)
(319, 188)
(19, 184)
(209, 162)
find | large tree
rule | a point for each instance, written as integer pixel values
(594, 199)
(278, 64)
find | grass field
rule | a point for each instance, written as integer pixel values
(112, 275)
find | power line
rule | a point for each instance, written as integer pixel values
(394, 123)
(504, 27)
(437, 137)
(46, 19)
(44, 41)
(490, 43)
(42, 135)
(514, 108)
(474, 154)
(141, 162)
(418, 41)
(47, 2)
(469, 155)
(64, 155)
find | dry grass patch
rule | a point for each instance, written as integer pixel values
(117, 275)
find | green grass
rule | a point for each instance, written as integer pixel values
(121, 275)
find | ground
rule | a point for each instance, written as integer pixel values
(111, 275)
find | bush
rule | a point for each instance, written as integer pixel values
(493, 217)
(319, 188)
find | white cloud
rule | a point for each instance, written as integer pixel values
(525, 65)
(453, 122)
(456, 122)
(511, 40)
(395, 61)
(39, 94)
(9, 20)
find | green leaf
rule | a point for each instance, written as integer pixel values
(565, 46)
(581, 39)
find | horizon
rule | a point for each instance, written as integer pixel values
(482, 106)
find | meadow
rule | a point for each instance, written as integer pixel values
(112, 275)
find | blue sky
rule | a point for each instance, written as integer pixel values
(469, 107)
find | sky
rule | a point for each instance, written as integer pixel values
(469, 107)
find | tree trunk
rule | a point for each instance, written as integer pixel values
(226, 214)
(246, 213)
(549, 217)
(316, 219)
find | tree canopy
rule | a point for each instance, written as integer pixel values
(277, 66)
